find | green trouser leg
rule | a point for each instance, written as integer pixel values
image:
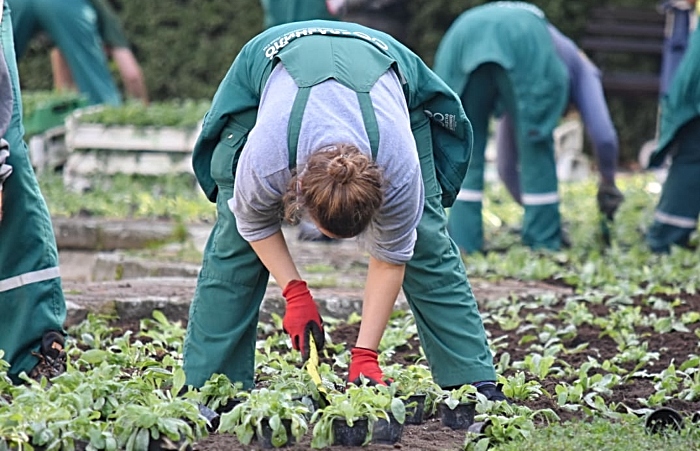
(479, 99)
(449, 324)
(72, 25)
(487, 85)
(538, 178)
(465, 222)
(677, 212)
(437, 289)
(31, 298)
(223, 319)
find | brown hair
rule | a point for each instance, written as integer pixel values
(340, 189)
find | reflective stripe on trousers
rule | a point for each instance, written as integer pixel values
(28, 278)
(674, 220)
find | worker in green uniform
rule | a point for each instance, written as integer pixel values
(293, 128)
(676, 215)
(278, 12)
(73, 27)
(117, 49)
(31, 298)
(499, 57)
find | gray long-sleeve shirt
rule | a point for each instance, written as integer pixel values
(332, 116)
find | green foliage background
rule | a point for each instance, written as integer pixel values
(186, 46)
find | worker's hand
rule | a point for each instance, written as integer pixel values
(302, 318)
(609, 199)
(364, 362)
(5, 169)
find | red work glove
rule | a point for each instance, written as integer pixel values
(301, 318)
(364, 362)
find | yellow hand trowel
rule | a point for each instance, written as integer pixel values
(312, 369)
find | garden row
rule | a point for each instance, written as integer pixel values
(559, 358)
(124, 389)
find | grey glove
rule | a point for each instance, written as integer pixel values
(5, 169)
(609, 199)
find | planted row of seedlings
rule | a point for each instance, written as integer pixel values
(125, 390)
(286, 404)
(120, 390)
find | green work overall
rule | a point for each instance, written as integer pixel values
(73, 27)
(223, 316)
(31, 298)
(676, 215)
(501, 58)
(278, 12)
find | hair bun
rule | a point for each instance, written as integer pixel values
(343, 168)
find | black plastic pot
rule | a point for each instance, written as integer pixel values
(214, 416)
(387, 432)
(354, 435)
(230, 404)
(211, 416)
(663, 419)
(415, 413)
(163, 444)
(80, 445)
(265, 440)
(461, 417)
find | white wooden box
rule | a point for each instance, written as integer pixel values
(101, 149)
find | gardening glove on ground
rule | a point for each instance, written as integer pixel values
(364, 362)
(609, 199)
(302, 318)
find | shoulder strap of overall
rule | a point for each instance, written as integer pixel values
(295, 118)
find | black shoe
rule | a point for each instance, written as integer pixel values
(51, 355)
(492, 392)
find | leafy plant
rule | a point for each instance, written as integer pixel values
(467, 393)
(154, 417)
(218, 391)
(162, 331)
(414, 380)
(264, 407)
(356, 403)
(399, 331)
(518, 388)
